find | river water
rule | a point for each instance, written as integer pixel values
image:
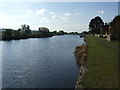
(40, 62)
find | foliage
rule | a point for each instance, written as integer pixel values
(44, 32)
(115, 28)
(16, 34)
(54, 33)
(7, 35)
(61, 32)
(96, 25)
(106, 28)
(26, 28)
(24, 32)
(74, 33)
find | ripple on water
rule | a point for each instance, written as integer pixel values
(40, 63)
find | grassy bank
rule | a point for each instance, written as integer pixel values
(102, 64)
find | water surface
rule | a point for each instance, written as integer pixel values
(40, 62)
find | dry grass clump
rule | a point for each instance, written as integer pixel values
(81, 54)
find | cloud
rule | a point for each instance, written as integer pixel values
(100, 12)
(52, 13)
(29, 11)
(60, 18)
(66, 14)
(41, 11)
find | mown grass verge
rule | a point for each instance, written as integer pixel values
(102, 65)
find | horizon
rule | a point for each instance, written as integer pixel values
(66, 16)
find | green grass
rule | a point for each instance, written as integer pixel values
(102, 65)
(115, 43)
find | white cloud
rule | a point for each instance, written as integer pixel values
(60, 18)
(53, 13)
(41, 11)
(29, 11)
(66, 14)
(100, 12)
(43, 18)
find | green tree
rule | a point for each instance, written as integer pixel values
(96, 25)
(7, 35)
(27, 30)
(23, 27)
(106, 28)
(16, 35)
(54, 33)
(19, 29)
(115, 28)
(61, 32)
(44, 31)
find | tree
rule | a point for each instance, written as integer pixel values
(61, 32)
(115, 28)
(44, 31)
(26, 28)
(53, 33)
(23, 27)
(106, 28)
(16, 34)
(7, 35)
(96, 25)
(19, 29)
(92, 26)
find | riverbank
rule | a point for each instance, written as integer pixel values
(15, 35)
(81, 57)
(102, 64)
(10, 34)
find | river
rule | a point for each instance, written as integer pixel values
(40, 62)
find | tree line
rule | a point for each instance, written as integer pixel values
(97, 26)
(25, 32)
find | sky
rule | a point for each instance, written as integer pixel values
(67, 16)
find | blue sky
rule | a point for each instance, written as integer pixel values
(67, 16)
